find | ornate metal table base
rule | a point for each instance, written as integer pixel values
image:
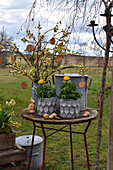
(67, 122)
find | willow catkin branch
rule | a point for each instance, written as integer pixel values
(27, 61)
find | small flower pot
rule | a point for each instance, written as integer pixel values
(46, 105)
(69, 108)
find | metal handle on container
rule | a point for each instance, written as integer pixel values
(90, 81)
(29, 140)
(53, 79)
(35, 154)
(48, 81)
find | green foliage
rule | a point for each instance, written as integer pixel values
(69, 91)
(5, 113)
(60, 159)
(45, 91)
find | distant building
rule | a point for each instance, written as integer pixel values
(86, 60)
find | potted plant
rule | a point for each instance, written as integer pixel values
(69, 99)
(7, 135)
(43, 56)
(46, 98)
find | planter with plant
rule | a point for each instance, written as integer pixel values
(7, 135)
(42, 57)
(46, 98)
(69, 99)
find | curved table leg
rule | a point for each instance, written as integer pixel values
(31, 147)
(87, 151)
(71, 146)
(44, 149)
(86, 145)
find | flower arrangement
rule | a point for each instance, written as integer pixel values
(6, 112)
(69, 90)
(44, 90)
(43, 57)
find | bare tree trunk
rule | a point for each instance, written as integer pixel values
(110, 143)
(97, 157)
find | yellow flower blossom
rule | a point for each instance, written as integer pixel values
(66, 78)
(12, 102)
(7, 111)
(41, 81)
(7, 103)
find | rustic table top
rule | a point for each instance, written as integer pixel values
(38, 119)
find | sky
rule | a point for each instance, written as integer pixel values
(13, 14)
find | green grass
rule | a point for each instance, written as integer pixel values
(58, 147)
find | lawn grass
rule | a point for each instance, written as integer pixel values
(58, 146)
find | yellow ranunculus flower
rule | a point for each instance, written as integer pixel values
(41, 81)
(66, 78)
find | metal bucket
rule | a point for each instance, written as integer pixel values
(75, 78)
(25, 142)
(33, 95)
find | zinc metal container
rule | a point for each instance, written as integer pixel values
(75, 78)
(33, 95)
(25, 142)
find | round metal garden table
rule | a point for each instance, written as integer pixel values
(35, 119)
